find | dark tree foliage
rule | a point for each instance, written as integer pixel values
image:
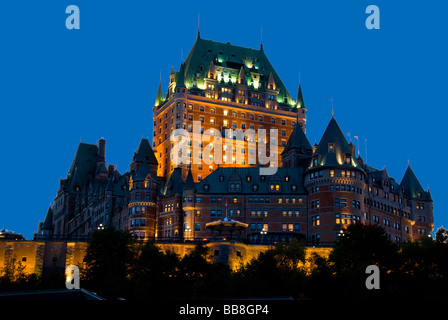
(153, 273)
(275, 273)
(415, 269)
(116, 266)
(108, 261)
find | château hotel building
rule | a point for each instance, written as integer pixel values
(314, 194)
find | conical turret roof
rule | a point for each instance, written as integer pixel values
(412, 187)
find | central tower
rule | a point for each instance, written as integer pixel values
(223, 86)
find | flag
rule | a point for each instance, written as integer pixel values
(356, 137)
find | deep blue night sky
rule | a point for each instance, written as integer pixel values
(59, 87)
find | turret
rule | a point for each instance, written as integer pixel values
(335, 183)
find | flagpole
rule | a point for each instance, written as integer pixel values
(366, 149)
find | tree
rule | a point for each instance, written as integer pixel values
(358, 247)
(362, 245)
(109, 255)
(424, 269)
(276, 272)
(153, 275)
(442, 235)
(200, 277)
(15, 278)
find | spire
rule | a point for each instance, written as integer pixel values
(297, 140)
(48, 222)
(242, 76)
(199, 23)
(189, 182)
(144, 153)
(411, 185)
(300, 102)
(159, 96)
(261, 40)
(175, 183)
(181, 77)
(333, 149)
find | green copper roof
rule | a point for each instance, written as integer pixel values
(229, 59)
(159, 97)
(299, 102)
(219, 181)
(180, 76)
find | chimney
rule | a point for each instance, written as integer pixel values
(110, 169)
(102, 150)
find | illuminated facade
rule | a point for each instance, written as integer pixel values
(222, 86)
(313, 195)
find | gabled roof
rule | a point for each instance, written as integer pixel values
(144, 153)
(412, 187)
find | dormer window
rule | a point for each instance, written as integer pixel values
(348, 160)
(331, 147)
(315, 162)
